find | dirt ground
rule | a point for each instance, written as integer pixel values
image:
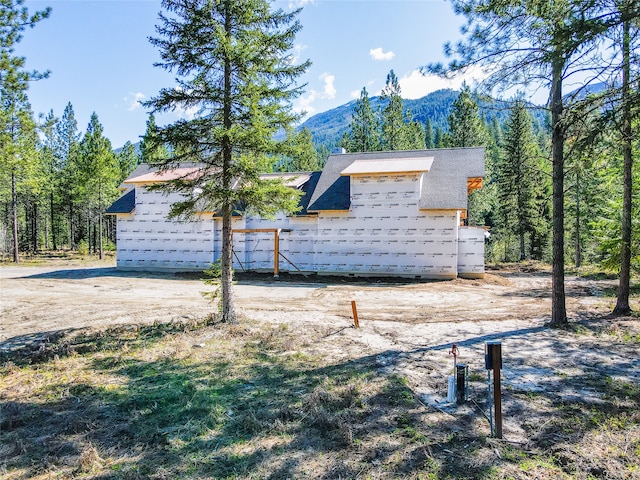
(408, 326)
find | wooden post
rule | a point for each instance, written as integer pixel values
(355, 314)
(496, 356)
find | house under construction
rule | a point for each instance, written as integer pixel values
(398, 213)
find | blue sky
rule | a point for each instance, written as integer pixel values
(101, 60)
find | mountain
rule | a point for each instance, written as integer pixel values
(328, 127)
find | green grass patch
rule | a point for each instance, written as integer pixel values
(249, 401)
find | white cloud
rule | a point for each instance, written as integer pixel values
(186, 113)
(305, 102)
(329, 89)
(355, 94)
(297, 53)
(378, 55)
(416, 85)
(134, 99)
(293, 4)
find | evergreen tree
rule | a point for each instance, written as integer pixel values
(466, 128)
(438, 138)
(393, 126)
(17, 127)
(52, 165)
(414, 134)
(234, 64)
(302, 155)
(627, 17)
(428, 134)
(67, 152)
(152, 151)
(364, 129)
(128, 160)
(517, 177)
(538, 41)
(100, 174)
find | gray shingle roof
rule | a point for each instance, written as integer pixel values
(444, 186)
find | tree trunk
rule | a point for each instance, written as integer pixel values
(34, 228)
(622, 303)
(578, 243)
(14, 213)
(54, 239)
(558, 306)
(228, 308)
(100, 224)
(71, 245)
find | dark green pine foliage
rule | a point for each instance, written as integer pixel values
(398, 130)
(428, 134)
(301, 156)
(414, 133)
(393, 126)
(152, 151)
(466, 128)
(51, 165)
(67, 151)
(438, 138)
(518, 177)
(234, 65)
(100, 174)
(128, 160)
(364, 130)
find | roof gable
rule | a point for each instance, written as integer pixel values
(444, 186)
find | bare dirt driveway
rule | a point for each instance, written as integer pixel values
(44, 299)
(408, 327)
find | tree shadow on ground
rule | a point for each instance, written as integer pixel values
(84, 273)
(259, 411)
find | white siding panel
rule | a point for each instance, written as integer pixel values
(471, 252)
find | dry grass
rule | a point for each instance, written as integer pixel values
(216, 401)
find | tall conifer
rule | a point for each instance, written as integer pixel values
(234, 65)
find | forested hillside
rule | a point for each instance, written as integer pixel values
(327, 128)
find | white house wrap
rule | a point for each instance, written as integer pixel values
(394, 213)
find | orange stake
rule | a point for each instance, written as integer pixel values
(355, 314)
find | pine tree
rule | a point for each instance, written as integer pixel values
(393, 126)
(542, 42)
(364, 129)
(234, 65)
(151, 151)
(67, 152)
(302, 155)
(100, 173)
(517, 176)
(52, 165)
(17, 128)
(438, 138)
(428, 134)
(466, 128)
(128, 160)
